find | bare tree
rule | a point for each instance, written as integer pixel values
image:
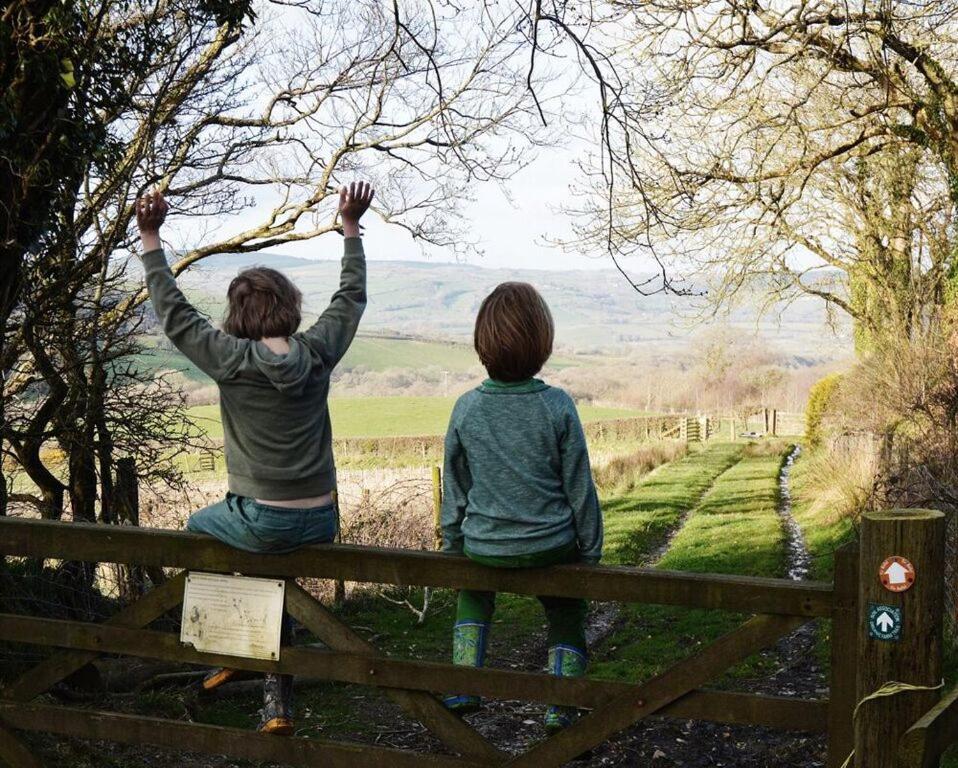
(804, 149)
(423, 104)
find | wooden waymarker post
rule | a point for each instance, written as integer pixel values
(900, 638)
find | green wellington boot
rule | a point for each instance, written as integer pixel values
(564, 661)
(468, 650)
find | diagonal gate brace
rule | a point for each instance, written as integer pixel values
(424, 707)
(137, 615)
(643, 700)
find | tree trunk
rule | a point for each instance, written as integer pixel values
(9, 289)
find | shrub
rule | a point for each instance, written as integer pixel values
(820, 399)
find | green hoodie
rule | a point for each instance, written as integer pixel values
(517, 475)
(277, 434)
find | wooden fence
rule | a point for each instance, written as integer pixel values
(774, 608)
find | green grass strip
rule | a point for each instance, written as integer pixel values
(639, 520)
(736, 528)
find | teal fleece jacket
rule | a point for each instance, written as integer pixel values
(277, 434)
(517, 474)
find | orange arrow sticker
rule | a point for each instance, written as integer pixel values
(897, 574)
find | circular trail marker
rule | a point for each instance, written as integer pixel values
(897, 574)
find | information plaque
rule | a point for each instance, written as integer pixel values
(233, 615)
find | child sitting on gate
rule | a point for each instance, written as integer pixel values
(273, 383)
(518, 488)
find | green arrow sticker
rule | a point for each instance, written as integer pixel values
(884, 622)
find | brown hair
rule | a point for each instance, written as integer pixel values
(514, 332)
(262, 303)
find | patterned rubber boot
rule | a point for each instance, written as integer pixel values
(468, 650)
(564, 661)
(277, 712)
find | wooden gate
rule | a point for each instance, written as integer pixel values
(775, 608)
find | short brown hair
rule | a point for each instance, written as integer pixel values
(262, 303)
(514, 332)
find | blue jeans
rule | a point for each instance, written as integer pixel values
(246, 524)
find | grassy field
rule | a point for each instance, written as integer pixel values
(725, 487)
(390, 416)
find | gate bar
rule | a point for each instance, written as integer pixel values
(217, 740)
(781, 712)
(120, 544)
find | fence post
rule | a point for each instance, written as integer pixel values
(774, 422)
(339, 586)
(126, 510)
(437, 506)
(843, 674)
(126, 493)
(898, 677)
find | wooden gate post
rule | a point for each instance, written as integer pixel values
(900, 637)
(843, 639)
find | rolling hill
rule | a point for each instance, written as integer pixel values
(596, 312)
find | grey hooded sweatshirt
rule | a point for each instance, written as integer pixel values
(276, 428)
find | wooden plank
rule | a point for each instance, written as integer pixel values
(379, 671)
(148, 608)
(650, 697)
(454, 732)
(14, 753)
(75, 541)
(926, 741)
(844, 670)
(214, 740)
(780, 712)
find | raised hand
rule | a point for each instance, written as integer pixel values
(354, 201)
(151, 212)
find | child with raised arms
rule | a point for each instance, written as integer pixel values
(518, 488)
(273, 383)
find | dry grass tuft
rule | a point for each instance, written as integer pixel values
(621, 472)
(839, 483)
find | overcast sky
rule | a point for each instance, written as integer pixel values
(509, 233)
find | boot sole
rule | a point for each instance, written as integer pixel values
(220, 678)
(278, 726)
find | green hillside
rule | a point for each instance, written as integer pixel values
(374, 353)
(390, 416)
(381, 353)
